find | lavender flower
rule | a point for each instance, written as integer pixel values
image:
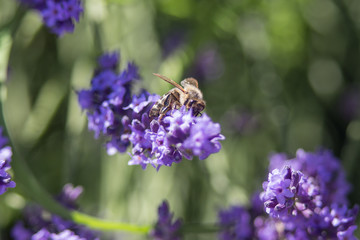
(298, 200)
(5, 159)
(322, 168)
(58, 15)
(235, 223)
(307, 204)
(180, 134)
(114, 111)
(166, 228)
(38, 224)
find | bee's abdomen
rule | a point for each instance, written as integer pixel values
(155, 110)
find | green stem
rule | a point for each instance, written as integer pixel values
(96, 223)
(32, 190)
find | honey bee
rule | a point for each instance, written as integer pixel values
(188, 95)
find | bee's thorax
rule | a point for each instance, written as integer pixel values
(192, 93)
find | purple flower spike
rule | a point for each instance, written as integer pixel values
(165, 227)
(307, 198)
(5, 160)
(58, 16)
(322, 168)
(114, 111)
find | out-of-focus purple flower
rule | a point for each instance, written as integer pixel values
(130, 74)
(347, 234)
(172, 42)
(333, 222)
(242, 122)
(115, 112)
(5, 160)
(38, 224)
(66, 235)
(43, 234)
(69, 195)
(208, 64)
(19, 232)
(165, 228)
(265, 228)
(58, 15)
(235, 224)
(349, 103)
(86, 99)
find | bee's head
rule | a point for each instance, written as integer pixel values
(197, 106)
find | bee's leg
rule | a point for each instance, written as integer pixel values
(176, 99)
(161, 116)
(177, 105)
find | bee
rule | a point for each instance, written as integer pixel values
(188, 95)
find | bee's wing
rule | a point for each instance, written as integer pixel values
(170, 81)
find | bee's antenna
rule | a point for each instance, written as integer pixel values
(172, 82)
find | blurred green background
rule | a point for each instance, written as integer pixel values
(277, 74)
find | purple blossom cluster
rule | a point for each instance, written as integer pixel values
(38, 224)
(178, 135)
(115, 112)
(165, 228)
(5, 159)
(57, 15)
(321, 168)
(303, 198)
